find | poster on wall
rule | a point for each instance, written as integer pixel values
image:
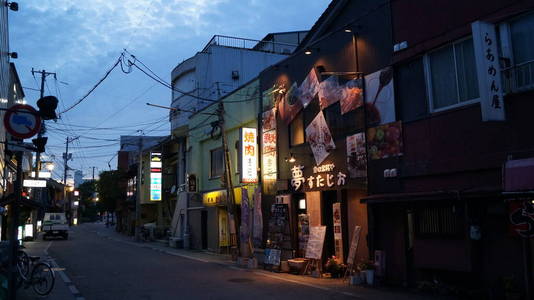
(269, 97)
(320, 139)
(290, 105)
(385, 140)
(303, 233)
(356, 155)
(379, 97)
(330, 92)
(521, 215)
(352, 96)
(338, 234)
(268, 120)
(314, 248)
(309, 88)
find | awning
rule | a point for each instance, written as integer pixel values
(432, 196)
(518, 175)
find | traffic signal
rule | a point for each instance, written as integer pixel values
(40, 143)
(47, 107)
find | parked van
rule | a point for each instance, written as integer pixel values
(55, 224)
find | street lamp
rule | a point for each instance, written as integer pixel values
(50, 166)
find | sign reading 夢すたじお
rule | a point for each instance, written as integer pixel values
(249, 155)
(323, 177)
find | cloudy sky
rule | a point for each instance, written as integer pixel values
(81, 40)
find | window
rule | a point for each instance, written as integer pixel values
(296, 130)
(217, 162)
(451, 75)
(522, 36)
(437, 221)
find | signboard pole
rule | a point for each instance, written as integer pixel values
(13, 242)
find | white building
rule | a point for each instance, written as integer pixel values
(223, 65)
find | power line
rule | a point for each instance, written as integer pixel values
(94, 87)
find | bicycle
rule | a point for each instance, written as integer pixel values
(40, 276)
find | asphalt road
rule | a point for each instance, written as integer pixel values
(108, 269)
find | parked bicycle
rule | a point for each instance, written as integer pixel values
(35, 273)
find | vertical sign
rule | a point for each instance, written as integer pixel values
(268, 144)
(488, 71)
(338, 234)
(155, 176)
(354, 245)
(249, 155)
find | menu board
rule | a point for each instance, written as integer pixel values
(314, 248)
(272, 257)
(354, 245)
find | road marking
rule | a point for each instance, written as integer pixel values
(73, 289)
(46, 248)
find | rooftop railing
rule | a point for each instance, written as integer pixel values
(519, 78)
(243, 43)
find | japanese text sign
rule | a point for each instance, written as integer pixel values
(488, 71)
(249, 155)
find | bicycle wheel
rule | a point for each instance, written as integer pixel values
(42, 279)
(23, 264)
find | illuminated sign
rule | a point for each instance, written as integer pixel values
(214, 198)
(34, 183)
(43, 174)
(268, 144)
(155, 176)
(249, 155)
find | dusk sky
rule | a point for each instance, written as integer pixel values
(81, 40)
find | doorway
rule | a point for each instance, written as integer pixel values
(328, 199)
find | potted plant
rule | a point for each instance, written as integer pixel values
(367, 268)
(334, 267)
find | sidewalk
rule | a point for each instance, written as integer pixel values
(336, 285)
(61, 291)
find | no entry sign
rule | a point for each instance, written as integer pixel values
(22, 121)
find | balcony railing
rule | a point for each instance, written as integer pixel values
(519, 78)
(242, 43)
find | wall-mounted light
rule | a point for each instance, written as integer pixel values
(347, 29)
(302, 204)
(308, 51)
(14, 6)
(291, 158)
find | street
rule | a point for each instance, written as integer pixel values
(102, 264)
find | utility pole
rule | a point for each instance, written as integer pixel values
(13, 242)
(94, 174)
(138, 196)
(40, 134)
(66, 159)
(232, 221)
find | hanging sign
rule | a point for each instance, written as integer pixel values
(488, 71)
(521, 215)
(249, 155)
(34, 183)
(22, 121)
(155, 176)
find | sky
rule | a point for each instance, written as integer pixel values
(81, 40)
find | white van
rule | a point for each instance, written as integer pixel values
(55, 224)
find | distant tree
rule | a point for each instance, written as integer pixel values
(89, 207)
(108, 189)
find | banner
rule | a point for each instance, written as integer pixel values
(380, 97)
(488, 71)
(320, 139)
(356, 155)
(257, 227)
